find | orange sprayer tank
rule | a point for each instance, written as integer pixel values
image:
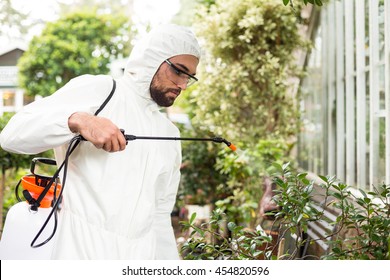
(22, 224)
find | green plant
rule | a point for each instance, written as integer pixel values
(244, 172)
(210, 241)
(293, 196)
(313, 2)
(366, 217)
(362, 225)
(245, 94)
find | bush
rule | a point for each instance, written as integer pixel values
(366, 218)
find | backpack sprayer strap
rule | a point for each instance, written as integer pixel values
(30, 200)
(107, 99)
(35, 203)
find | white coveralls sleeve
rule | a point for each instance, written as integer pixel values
(43, 124)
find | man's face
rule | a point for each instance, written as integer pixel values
(171, 78)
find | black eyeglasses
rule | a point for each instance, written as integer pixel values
(179, 76)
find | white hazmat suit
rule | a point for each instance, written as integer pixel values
(115, 205)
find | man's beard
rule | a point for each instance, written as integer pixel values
(160, 96)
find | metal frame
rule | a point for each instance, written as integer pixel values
(361, 158)
(374, 91)
(350, 176)
(387, 87)
(340, 92)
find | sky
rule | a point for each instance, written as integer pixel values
(153, 12)
(44, 9)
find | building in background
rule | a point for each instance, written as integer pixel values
(346, 95)
(12, 98)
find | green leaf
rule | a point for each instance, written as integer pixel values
(200, 231)
(286, 165)
(363, 193)
(193, 217)
(302, 175)
(278, 167)
(367, 200)
(305, 181)
(285, 2)
(336, 250)
(231, 226)
(253, 247)
(337, 195)
(323, 178)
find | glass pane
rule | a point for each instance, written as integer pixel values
(367, 33)
(367, 128)
(381, 21)
(311, 138)
(381, 72)
(382, 151)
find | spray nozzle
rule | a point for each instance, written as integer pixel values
(222, 140)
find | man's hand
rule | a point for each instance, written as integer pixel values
(101, 132)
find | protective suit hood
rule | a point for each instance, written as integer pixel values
(159, 44)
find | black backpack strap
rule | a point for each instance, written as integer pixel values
(107, 99)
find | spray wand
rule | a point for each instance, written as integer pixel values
(214, 139)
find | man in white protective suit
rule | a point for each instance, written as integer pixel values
(118, 198)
